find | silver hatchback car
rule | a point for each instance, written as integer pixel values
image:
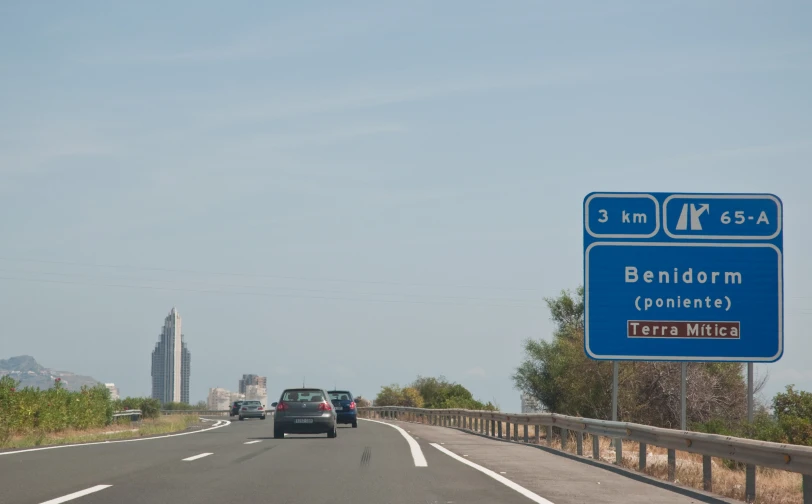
(304, 411)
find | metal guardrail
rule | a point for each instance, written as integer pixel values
(196, 412)
(134, 414)
(786, 457)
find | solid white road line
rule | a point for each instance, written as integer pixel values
(417, 453)
(498, 477)
(197, 457)
(76, 495)
(253, 442)
(215, 426)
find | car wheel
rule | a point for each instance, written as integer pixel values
(355, 424)
(242, 419)
(278, 434)
(263, 417)
(333, 433)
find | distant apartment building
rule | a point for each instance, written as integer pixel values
(252, 379)
(254, 387)
(113, 390)
(171, 363)
(531, 404)
(219, 399)
(256, 393)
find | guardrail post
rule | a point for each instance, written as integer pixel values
(525, 429)
(549, 435)
(515, 431)
(483, 426)
(499, 425)
(750, 483)
(807, 488)
(596, 447)
(618, 451)
(537, 434)
(707, 474)
(493, 427)
(672, 465)
(564, 438)
(579, 443)
(642, 458)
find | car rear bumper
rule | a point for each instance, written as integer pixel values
(347, 417)
(252, 414)
(320, 425)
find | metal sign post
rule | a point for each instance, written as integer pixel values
(684, 396)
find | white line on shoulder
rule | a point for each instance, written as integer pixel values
(215, 426)
(498, 477)
(417, 453)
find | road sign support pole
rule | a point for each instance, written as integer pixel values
(614, 396)
(684, 394)
(750, 470)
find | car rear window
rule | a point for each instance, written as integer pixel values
(341, 396)
(303, 396)
(251, 403)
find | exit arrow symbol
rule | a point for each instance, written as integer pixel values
(696, 225)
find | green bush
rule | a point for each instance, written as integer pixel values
(30, 411)
(429, 392)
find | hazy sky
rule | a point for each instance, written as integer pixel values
(361, 192)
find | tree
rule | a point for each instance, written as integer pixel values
(389, 395)
(362, 402)
(411, 398)
(793, 410)
(560, 375)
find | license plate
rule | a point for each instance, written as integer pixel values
(303, 420)
(339, 408)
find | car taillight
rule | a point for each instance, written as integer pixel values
(260, 408)
(352, 405)
(325, 406)
(244, 408)
(282, 407)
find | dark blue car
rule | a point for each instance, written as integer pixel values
(344, 404)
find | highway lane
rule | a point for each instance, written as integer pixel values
(370, 464)
(373, 463)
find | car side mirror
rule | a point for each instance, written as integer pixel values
(274, 404)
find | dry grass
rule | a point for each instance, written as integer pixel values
(772, 486)
(162, 425)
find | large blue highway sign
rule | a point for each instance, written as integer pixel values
(683, 277)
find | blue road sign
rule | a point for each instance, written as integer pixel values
(683, 277)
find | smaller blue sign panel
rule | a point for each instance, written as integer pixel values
(683, 277)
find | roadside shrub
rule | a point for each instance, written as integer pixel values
(35, 411)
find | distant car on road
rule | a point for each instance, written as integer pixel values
(344, 404)
(235, 408)
(304, 411)
(252, 409)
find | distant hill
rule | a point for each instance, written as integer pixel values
(30, 373)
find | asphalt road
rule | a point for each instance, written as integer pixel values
(241, 462)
